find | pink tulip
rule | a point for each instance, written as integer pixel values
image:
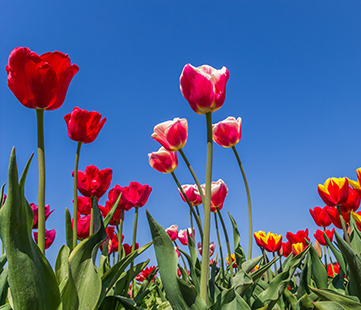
(163, 160)
(192, 194)
(83, 226)
(204, 87)
(49, 237)
(34, 207)
(212, 247)
(172, 232)
(172, 135)
(219, 192)
(84, 205)
(227, 133)
(176, 249)
(137, 193)
(183, 236)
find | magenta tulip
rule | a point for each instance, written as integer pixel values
(49, 237)
(227, 133)
(163, 160)
(192, 194)
(183, 236)
(172, 232)
(172, 135)
(34, 207)
(219, 192)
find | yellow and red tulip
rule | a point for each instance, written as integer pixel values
(334, 192)
(272, 242)
(297, 248)
(258, 237)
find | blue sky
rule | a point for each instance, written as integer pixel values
(294, 79)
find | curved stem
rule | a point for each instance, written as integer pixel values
(199, 224)
(120, 245)
(329, 255)
(220, 246)
(343, 226)
(75, 211)
(207, 211)
(228, 246)
(250, 240)
(193, 174)
(41, 190)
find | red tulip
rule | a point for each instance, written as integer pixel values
(137, 194)
(192, 194)
(334, 192)
(183, 236)
(163, 160)
(34, 207)
(353, 201)
(212, 247)
(300, 236)
(335, 218)
(321, 239)
(219, 192)
(272, 242)
(128, 248)
(49, 237)
(258, 237)
(83, 226)
(320, 216)
(83, 126)
(233, 256)
(39, 82)
(112, 240)
(336, 269)
(286, 248)
(172, 135)
(144, 274)
(94, 182)
(227, 133)
(172, 232)
(84, 205)
(204, 87)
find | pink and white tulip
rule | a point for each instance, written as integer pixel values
(227, 133)
(204, 87)
(172, 135)
(192, 194)
(212, 247)
(172, 232)
(163, 160)
(219, 192)
(183, 236)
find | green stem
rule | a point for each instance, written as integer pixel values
(265, 262)
(191, 219)
(199, 224)
(228, 246)
(91, 230)
(220, 246)
(207, 211)
(2, 248)
(193, 174)
(75, 212)
(275, 265)
(329, 255)
(41, 192)
(248, 201)
(133, 245)
(324, 251)
(343, 226)
(120, 245)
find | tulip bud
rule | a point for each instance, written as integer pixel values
(227, 133)
(163, 160)
(318, 249)
(172, 135)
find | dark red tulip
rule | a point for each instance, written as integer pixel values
(34, 207)
(49, 237)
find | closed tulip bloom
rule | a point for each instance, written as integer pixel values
(183, 236)
(233, 256)
(320, 237)
(172, 232)
(219, 192)
(128, 248)
(227, 133)
(297, 248)
(39, 82)
(212, 247)
(258, 237)
(94, 182)
(334, 192)
(335, 217)
(320, 216)
(137, 194)
(300, 236)
(84, 126)
(286, 248)
(353, 201)
(204, 87)
(49, 237)
(192, 194)
(172, 135)
(163, 160)
(34, 207)
(83, 226)
(272, 242)
(84, 205)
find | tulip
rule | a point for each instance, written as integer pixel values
(94, 182)
(204, 87)
(34, 207)
(172, 135)
(297, 248)
(128, 248)
(192, 194)
(112, 240)
(84, 205)
(227, 133)
(49, 237)
(172, 232)
(83, 226)
(335, 218)
(144, 274)
(300, 236)
(335, 271)
(83, 126)
(353, 201)
(137, 194)
(176, 249)
(219, 192)
(357, 218)
(286, 248)
(163, 160)
(39, 82)
(272, 242)
(356, 184)
(233, 256)
(258, 237)
(321, 239)
(320, 216)
(334, 192)
(212, 247)
(183, 236)
(318, 249)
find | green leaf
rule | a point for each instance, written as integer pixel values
(319, 272)
(304, 303)
(2, 194)
(111, 212)
(180, 294)
(5, 307)
(193, 273)
(238, 251)
(61, 264)
(4, 285)
(230, 300)
(68, 229)
(111, 302)
(305, 278)
(31, 278)
(328, 305)
(337, 254)
(345, 301)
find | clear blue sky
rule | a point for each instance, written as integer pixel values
(295, 76)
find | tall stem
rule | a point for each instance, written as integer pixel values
(324, 251)
(228, 246)
(275, 265)
(193, 174)
(249, 203)
(207, 211)
(343, 226)
(220, 246)
(91, 230)
(41, 191)
(120, 245)
(133, 245)
(191, 219)
(75, 212)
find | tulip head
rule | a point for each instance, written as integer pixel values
(353, 201)
(286, 249)
(212, 247)
(83, 126)
(334, 192)
(219, 192)
(34, 207)
(272, 242)
(204, 87)
(335, 271)
(320, 237)
(137, 194)
(299, 237)
(356, 184)
(227, 133)
(39, 82)
(172, 232)
(233, 256)
(172, 135)
(49, 237)
(320, 216)
(183, 236)
(192, 194)
(145, 273)
(163, 160)
(357, 218)
(297, 248)
(335, 217)
(258, 237)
